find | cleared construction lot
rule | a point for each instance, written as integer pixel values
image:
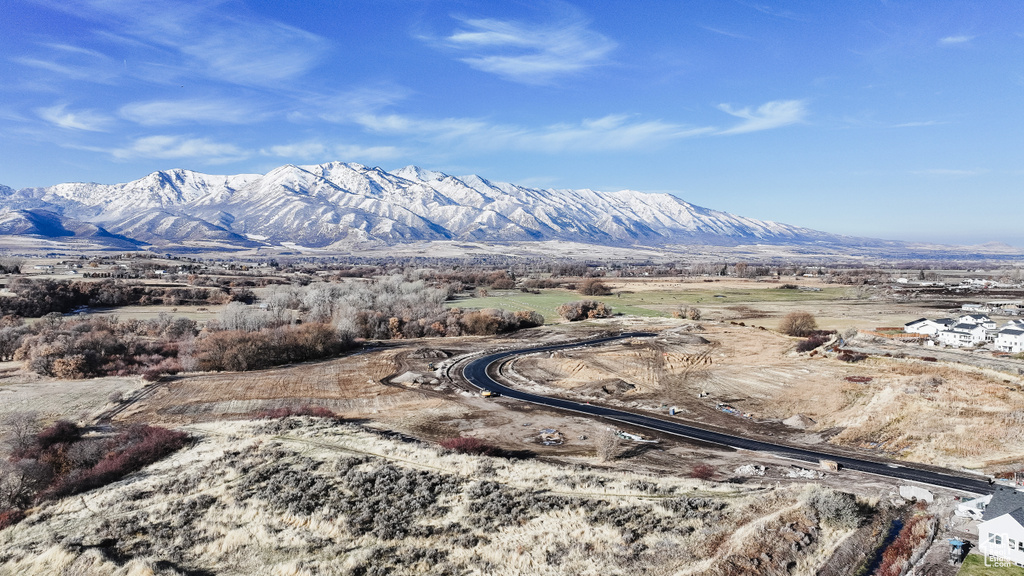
(753, 380)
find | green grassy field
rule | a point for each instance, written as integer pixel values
(974, 565)
(645, 303)
(547, 302)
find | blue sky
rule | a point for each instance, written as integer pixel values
(900, 120)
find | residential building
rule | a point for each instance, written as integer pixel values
(963, 335)
(973, 508)
(1001, 530)
(979, 319)
(928, 327)
(916, 326)
(1010, 340)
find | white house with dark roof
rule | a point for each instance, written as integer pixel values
(978, 319)
(1010, 340)
(1001, 530)
(973, 508)
(963, 335)
(916, 326)
(928, 327)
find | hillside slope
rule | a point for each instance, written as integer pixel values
(308, 496)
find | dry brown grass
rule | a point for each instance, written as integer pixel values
(350, 386)
(237, 531)
(942, 414)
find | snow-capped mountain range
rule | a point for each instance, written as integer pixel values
(344, 205)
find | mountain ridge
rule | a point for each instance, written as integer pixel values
(338, 205)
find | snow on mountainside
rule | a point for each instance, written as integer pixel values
(52, 225)
(340, 204)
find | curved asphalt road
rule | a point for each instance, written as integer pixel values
(476, 372)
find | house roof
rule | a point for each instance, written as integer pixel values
(1018, 515)
(964, 328)
(945, 321)
(1005, 500)
(918, 321)
(1011, 331)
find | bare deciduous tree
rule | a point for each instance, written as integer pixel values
(798, 324)
(687, 312)
(594, 287)
(606, 442)
(21, 429)
(583, 309)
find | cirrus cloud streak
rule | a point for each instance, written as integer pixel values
(167, 112)
(529, 53)
(769, 115)
(607, 133)
(171, 147)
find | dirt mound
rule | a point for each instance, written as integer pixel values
(607, 387)
(686, 338)
(799, 421)
(406, 378)
(688, 327)
(428, 354)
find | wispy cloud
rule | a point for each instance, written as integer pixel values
(769, 115)
(953, 40)
(440, 128)
(60, 116)
(223, 45)
(776, 12)
(607, 133)
(919, 124)
(253, 52)
(69, 48)
(72, 71)
(9, 113)
(168, 112)
(69, 61)
(170, 147)
(530, 53)
(721, 32)
(303, 150)
(612, 132)
(948, 172)
(344, 106)
(317, 150)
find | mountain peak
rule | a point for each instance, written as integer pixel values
(417, 174)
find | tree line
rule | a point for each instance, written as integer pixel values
(290, 324)
(35, 298)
